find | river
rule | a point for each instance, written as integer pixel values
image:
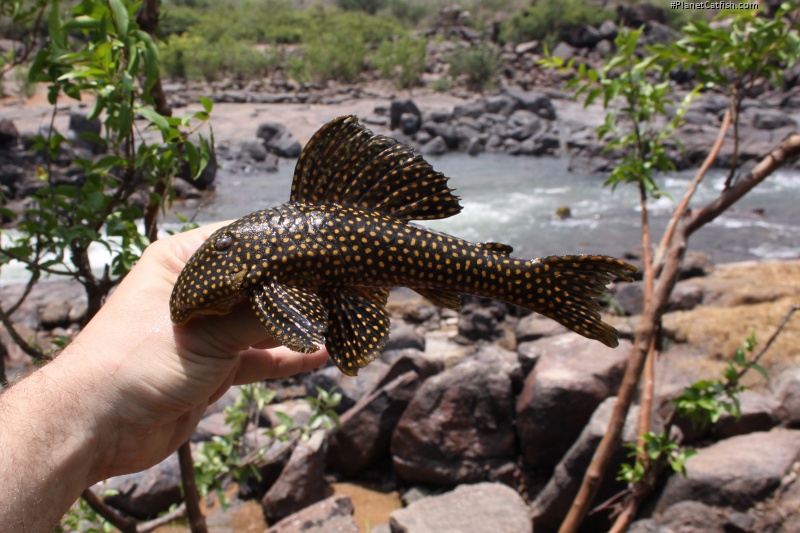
(513, 200)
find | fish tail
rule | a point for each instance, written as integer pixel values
(567, 289)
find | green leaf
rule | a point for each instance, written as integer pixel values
(207, 104)
(155, 118)
(120, 16)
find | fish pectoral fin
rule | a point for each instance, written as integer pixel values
(345, 163)
(358, 326)
(295, 317)
(449, 300)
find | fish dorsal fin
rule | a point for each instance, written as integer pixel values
(449, 300)
(358, 326)
(497, 247)
(293, 316)
(344, 163)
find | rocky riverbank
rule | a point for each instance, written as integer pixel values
(490, 415)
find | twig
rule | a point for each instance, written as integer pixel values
(126, 525)
(647, 328)
(778, 330)
(191, 497)
(176, 514)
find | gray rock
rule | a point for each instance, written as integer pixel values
(145, 494)
(255, 150)
(758, 414)
(302, 481)
(352, 388)
(536, 102)
(366, 430)
(436, 146)
(403, 336)
(209, 426)
(553, 501)
(564, 51)
(9, 136)
(447, 132)
(410, 360)
(572, 376)
(479, 508)
(787, 394)
(268, 130)
(768, 119)
(331, 515)
(410, 123)
(501, 103)
(205, 181)
(459, 428)
(55, 314)
(400, 107)
(736, 472)
(83, 132)
(284, 145)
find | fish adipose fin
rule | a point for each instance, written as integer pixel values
(293, 316)
(358, 326)
(567, 289)
(344, 163)
(448, 300)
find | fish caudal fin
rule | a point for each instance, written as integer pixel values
(567, 289)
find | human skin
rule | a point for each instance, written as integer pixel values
(127, 391)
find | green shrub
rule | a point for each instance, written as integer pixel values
(552, 21)
(481, 63)
(336, 56)
(402, 59)
(192, 58)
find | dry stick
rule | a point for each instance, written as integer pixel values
(646, 399)
(197, 522)
(126, 525)
(643, 489)
(690, 190)
(152, 525)
(647, 326)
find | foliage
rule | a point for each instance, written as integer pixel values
(192, 58)
(402, 59)
(481, 64)
(83, 518)
(335, 56)
(635, 131)
(367, 6)
(224, 456)
(97, 49)
(552, 22)
(703, 402)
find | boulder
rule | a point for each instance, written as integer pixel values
(758, 413)
(205, 181)
(398, 108)
(479, 508)
(269, 130)
(302, 481)
(736, 472)
(407, 361)
(787, 394)
(459, 427)
(145, 494)
(334, 514)
(404, 336)
(284, 145)
(436, 146)
(83, 132)
(536, 102)
(554, 500)
(410, 123)
(572, 376)
(352, 388)
(9, 136)
(365, 433)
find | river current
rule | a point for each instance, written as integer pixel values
(514, 199)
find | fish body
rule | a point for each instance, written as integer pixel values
(318, 269)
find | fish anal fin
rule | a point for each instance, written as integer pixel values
(295, 317)
(448, 300)
(345, 163)
(358, 326)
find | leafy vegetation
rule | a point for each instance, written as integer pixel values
(402, 60)
(481, 64)
(553, 21)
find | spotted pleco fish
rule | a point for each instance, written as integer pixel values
(318, 269)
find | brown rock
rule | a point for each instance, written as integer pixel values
(458, 428)
(334, 514)
(302, 481)
(572, 376)
(366, 431)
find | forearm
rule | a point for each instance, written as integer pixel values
(47, 445)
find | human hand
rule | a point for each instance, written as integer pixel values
(153, 380)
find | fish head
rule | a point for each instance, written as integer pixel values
(213, 280)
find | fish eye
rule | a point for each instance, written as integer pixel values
(223, 242)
